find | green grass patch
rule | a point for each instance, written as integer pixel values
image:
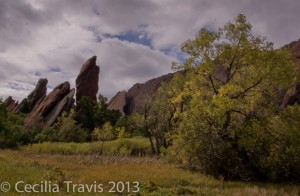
(137, 146)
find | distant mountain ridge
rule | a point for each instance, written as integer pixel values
(133, 100)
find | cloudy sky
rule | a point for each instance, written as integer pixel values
(135, 40)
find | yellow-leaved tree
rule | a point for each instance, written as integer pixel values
(232, 83)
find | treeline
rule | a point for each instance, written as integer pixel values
(86, 122)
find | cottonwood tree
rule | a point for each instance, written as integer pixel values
(232, 80)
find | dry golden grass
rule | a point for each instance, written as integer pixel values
(156, 177)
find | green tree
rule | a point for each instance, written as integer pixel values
(103, 114)
(104, 134)
(275, 149)
(85, 112)
(12, 131)
(233, 79)
(92, 115)
(65, 129)
(159, 117)
(25, 107)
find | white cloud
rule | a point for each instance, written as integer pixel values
(124, 64)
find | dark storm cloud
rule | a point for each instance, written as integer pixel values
(278, 20)
(18, 22)
(37, 36)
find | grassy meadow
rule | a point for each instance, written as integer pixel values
(124, 160)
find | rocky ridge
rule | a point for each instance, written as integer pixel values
(44, 109)
(133, 100)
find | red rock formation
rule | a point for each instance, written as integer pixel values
(87, 80)
(64, 105)
(118, 102)
(292, 95)
(47, 110)
(8, 101)
(35, 97)
(133, 100)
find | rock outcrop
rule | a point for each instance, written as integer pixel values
(118, 102)
(51, 107)
(133, 100)
(43, 110)
(292, 95)
(87, 80)
(64, 105)
(10, 103)
(35, 97)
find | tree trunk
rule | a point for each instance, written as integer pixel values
(152, 145)
(102, 147)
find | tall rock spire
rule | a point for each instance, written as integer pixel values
(87, 80)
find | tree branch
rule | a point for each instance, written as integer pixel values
(212, 83)
(232, 61)
(247, 89)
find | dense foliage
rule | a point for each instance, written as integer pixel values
(75, 126)
(12, 132)
(233, 125)
(66, 129)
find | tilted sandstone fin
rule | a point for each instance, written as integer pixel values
(36, 118)
(87, 80)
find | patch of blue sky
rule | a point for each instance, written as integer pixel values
(173, 52)
(136, 37)
(15, 86)
(130, 36)
(54, 69)
(50, 87)
(37, 73)
(20, 82)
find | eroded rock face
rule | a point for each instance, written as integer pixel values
(39, 93)
(10, 103)
(118, 102)
(87, 80)
(64, 105)
(51, 107)
(35, 97)
(292, 96)
(137, 95)
(134, 100)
